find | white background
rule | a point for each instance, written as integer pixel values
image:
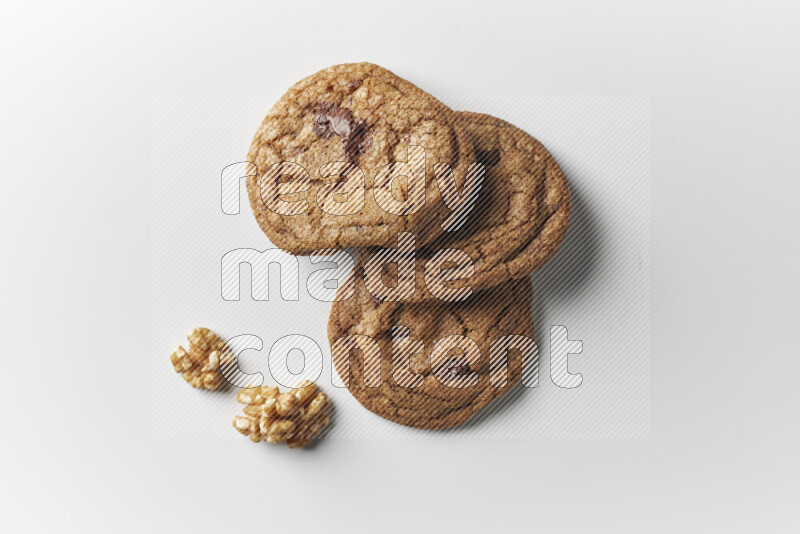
(77, 453)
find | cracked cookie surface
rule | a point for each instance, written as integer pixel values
(356, 114)
(453, 378)
(519, 219)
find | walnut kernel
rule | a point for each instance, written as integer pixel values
(295, 417)
(200, 364)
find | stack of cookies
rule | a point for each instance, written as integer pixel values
(449, 212)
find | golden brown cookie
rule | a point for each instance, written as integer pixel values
(464, 365)
(322, 154)
(519, 219)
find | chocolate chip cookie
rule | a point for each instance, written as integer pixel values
(519, 218)
(336, 163)
(472, 353)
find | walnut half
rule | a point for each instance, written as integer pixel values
(200, 364)
(295, 417)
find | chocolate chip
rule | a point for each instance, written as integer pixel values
(453, 369)
(488, 158)
(341, 123)
(462, 369)
(331, 120)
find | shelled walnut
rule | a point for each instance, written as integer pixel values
(295, 417)
(200, 364)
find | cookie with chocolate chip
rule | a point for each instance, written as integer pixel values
(325, 153)
(432, 365)
(518, 221)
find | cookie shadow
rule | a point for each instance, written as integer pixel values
(494, 410)
(565, 278)
(572, 270)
